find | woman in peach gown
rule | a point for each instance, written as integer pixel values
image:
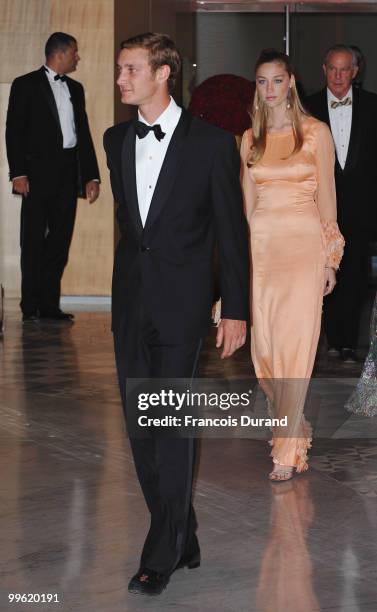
(296, 247)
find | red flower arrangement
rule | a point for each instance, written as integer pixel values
(224, 100)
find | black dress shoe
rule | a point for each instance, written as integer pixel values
(56, 315)
(30, 318)
(348, 355)
(148, 582)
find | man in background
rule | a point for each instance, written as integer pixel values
(351, 113)
(51, 162)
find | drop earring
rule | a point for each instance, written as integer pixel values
(289, 99)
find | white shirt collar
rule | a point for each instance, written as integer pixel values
(331, 97)
(168, 119)
(50, 73)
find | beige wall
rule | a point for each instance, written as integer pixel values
(24, 27)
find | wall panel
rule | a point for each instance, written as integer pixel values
(10, 207)
(92, 23)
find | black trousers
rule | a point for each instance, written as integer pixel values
(47, 222)
(342, 308)
(164, 465)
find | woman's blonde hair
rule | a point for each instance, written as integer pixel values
(259, 111)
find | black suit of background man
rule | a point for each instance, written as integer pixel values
(163, 293)
(56, 177)
(356, 190)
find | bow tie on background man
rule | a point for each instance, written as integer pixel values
(142, 129)
(345, 102)
(57, 77)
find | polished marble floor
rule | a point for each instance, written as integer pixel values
(72, 517)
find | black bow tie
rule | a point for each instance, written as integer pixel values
(57, 77)
(142, 129)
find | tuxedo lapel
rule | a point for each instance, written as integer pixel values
(325, 116)
(170, 166)
(49, 96)
(129, 176)
(74, 101)
(323, 110)
(354, 143)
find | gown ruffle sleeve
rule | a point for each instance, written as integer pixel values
(326, 197)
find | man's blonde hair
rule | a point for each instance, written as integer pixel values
(162, 52)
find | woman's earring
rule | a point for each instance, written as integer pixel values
(289, 98)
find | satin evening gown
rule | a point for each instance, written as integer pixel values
(290, 204)
(364, 398)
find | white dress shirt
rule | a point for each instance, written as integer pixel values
(150, 155)
(65, 109)
(341, 122)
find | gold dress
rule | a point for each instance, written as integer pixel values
(290, 204)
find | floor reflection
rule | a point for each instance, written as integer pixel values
(72, 518)
(286, 573)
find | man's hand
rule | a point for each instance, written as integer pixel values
(92, 191)
(232, 335)
(330, 281)
(21, 185)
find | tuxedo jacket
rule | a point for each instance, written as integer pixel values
(356, 184)
(34, 137)
(165, 269)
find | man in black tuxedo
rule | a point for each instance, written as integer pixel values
(351, 114)
(176, 180)
(51, 162)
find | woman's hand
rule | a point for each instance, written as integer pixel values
(330, 281)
